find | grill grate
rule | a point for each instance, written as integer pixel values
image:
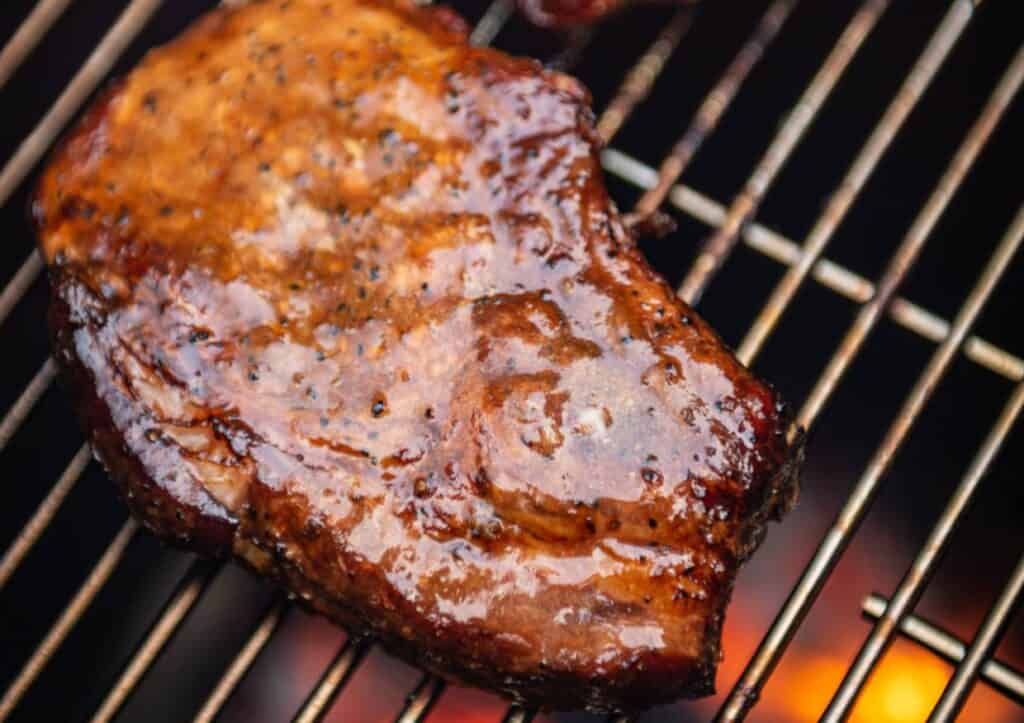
(731, 224)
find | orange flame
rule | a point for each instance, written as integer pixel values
(904, 688)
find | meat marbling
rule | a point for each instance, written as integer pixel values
(346, 298)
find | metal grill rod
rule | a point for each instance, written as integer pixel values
(19, 284)
(827, 273)
(419, 703)
(957, 690)
(640, 78)
(67, 620)
(723, 241)
(842, 200)
(715, 105)
(189, 589)
(96, 67)
(1000, 676)
(28, 35)
(915, 239)
(799, 602)
(21, 408)
(241, 664)
(43, 515)
(244, 661)
(124, 30)
(333, 680)
(916, 578)
(493, 20)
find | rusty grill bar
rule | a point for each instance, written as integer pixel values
(730, 224)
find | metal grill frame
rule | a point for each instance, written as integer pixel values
(731, 224)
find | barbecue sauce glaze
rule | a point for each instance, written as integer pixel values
(345, 297)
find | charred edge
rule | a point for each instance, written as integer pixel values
(165, 515)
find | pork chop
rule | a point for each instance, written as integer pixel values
(341, 296)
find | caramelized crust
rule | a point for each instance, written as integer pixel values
(346, 298)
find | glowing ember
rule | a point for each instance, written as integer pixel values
(904, 688)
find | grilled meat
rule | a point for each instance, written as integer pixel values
(346, 298)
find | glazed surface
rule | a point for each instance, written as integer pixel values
(344, 296)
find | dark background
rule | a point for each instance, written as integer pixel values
(926, 470)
